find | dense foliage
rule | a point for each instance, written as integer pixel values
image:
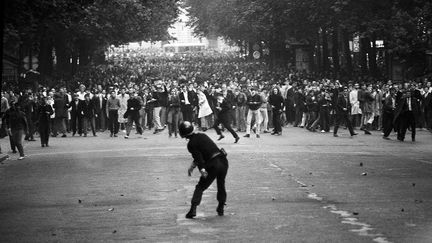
(81, 29)
(404, 25)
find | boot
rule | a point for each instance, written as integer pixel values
(220, 209)
(192, 212)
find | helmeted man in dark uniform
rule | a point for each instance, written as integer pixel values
(211, 162)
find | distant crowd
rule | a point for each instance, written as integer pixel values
(157, 92)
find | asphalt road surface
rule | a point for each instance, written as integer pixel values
(299, 187)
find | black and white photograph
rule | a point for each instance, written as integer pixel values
(216, 121)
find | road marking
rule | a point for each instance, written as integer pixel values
(346, 216)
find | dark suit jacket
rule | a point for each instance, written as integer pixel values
(388, 104)
(192, 97)
(342, 103)
(75, 111)
(60, 106)
(97, 104)
(87, 109)
(402, 103)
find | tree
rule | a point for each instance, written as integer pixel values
(82, 29)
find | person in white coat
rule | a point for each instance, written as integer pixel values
(355, 105)
(123, 97)
(204, 108)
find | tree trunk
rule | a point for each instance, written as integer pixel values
(278, 53)
(325, 51)
(335, 52)
(45, 58)
(347, 54)
(364, 49)
(318, 59)
(63, 57)
(84, 52)
(372, 59)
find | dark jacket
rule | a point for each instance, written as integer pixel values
(87, 109)
(241, 99)
(173, 101)
(299, 101)
(75, 111)
(60, 106)
(161, 98)
(312, 103)
(254, 102)
(224, 108)
(343, 104)
(192, 97)
(133, 105)
(44, 114)
(277, 102)
(388, 104)
(402, 105)
(15, 120)
(99, 105)
(202, 149)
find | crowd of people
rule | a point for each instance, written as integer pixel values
(219, 91)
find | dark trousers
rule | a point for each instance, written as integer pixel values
(86, 122)
(31, 128)
(44, 131)
(187, 113)
(387, 123)
(325, 119)
(428, 118)
(76, 124)
(59, 126)
(289, 112)
(17, 138)
(343, 117)
(113, 124)
(298, 116)
(100, 121)
(217, 168)
(12, 143)
(225, 121)
(277, 121)
(173, 120)
(149, 114)
(407, 119)
(134, 117)
(312, 118)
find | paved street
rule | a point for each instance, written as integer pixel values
(299, 187)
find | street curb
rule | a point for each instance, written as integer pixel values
(3, 157)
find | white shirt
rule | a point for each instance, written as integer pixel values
(185, 94)
(409, 104)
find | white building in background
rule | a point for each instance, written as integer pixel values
(184, 40)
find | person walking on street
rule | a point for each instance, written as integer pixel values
(112, 108)
(132, 113)
(17, 126)
(88, 113)
(76, 118)
(45, 111)
(342, 112)
(277, 103)
(212, 163)
(173, 112)
(254, 103)
(223, 118)
(388, 113)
